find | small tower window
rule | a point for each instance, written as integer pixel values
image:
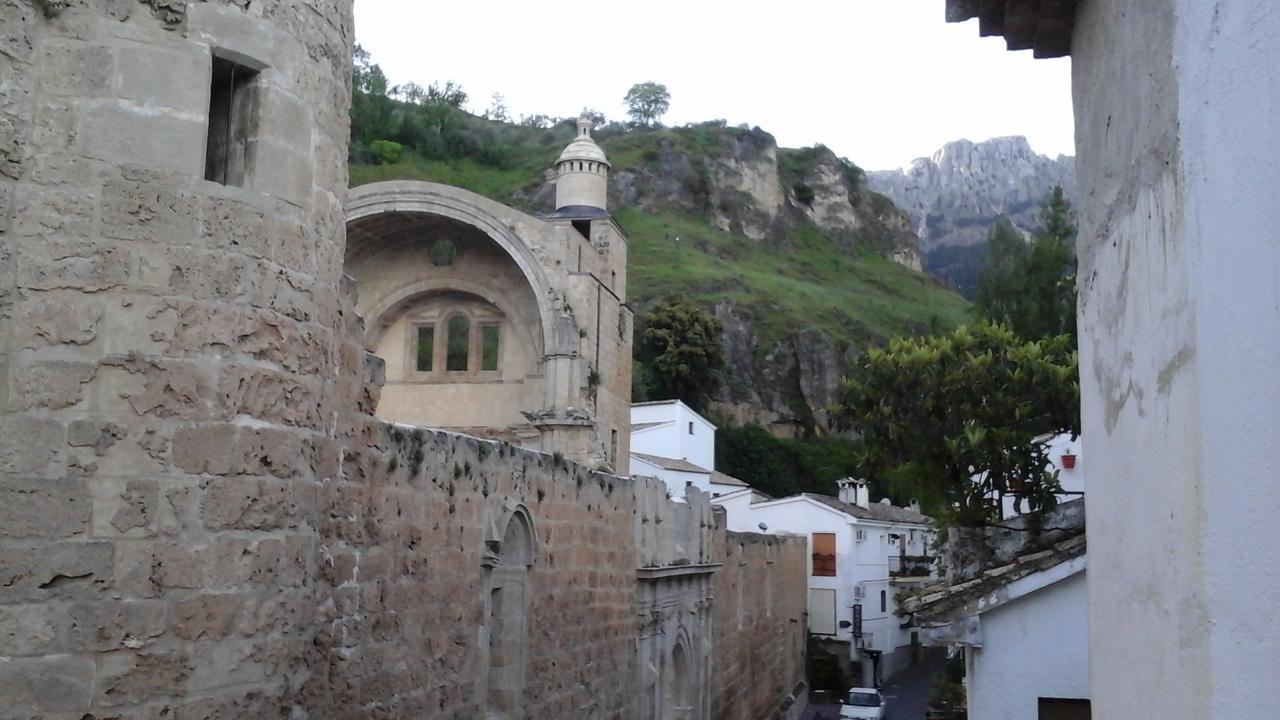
(426, 347)
(459, 340)
(489, 347)
(233, 119)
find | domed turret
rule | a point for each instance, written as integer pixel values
(582, 172)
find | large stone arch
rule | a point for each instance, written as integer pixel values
(416, 196)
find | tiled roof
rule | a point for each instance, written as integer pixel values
(877, 511)
(720, 478)
(667, 463)
(1045, 26)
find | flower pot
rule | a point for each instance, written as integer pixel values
(1068, 461)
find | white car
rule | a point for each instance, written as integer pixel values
(862, 703)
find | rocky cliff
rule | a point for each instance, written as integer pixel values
(954, 197)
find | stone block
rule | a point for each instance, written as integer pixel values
(270, 450)
(125, 507)
(49, 507)
(272, 396)
(210, 616)
(105, 626)
(73, 68)
(50, 385)
(43, 320)
(67, 570)
(195, 274)
(169, 388)
(32, 687)
(97, 434)
(56, 123)
(72, 264)
(174, 76)
(254, 504)
(127, 678)
(178, 565)
(31, 446)
(28, 630)
(235, 225)
(63, 214)
(206, 449)
(149, 211)
(283, 171)
(127, 133)
(250, 41)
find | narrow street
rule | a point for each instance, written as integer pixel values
(906, 696)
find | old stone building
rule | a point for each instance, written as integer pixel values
(497, 323)
(200, 514)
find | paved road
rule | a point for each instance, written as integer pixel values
(906, 696)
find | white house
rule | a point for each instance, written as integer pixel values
(1021, 617)
(669, 440)
(861, 555)
(1066, 458)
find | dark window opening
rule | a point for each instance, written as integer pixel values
(233, 119)
(613, 448)
(426, 347)
(459, 339)
(883, 601)
(488, 347)
(1063, 709)
(690, 427)
(584, 229)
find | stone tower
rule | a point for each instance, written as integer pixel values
(172, 177)
(582, 172)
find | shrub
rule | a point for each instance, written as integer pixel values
(386, 152)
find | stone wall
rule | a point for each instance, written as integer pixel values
(169, 373)
(761, 607)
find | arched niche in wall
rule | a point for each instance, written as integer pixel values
(678, 682)
(508, 556)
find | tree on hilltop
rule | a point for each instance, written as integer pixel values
(647, 102)
(679, 347)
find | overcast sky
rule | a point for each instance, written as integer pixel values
(879, 81)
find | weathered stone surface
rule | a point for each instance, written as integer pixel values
(31, 446)
(116, 625)
(206, 616)
(206, 449)
(65, 570)
(43, 321)
(27, 630)
(52, 384)
(148, 211)
(73, 68)
(169, 388)
(45, 507)
(126, 678)
(55, 683)
(97, 434)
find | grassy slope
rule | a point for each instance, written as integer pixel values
(809, 283)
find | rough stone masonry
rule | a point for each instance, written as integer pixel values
(199, 516)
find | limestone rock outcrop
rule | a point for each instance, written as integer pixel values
(954, 197)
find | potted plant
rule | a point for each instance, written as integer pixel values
(1068, 460)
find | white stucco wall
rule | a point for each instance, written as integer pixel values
(1036, 646)
(1176, 107)
(674, 440)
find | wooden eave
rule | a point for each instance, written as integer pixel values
(1042, 26)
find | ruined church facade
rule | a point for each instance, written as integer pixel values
(204, 513)
(497, 323)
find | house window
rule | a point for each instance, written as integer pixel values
(613, 448)
(824, 554)
(458, 342)
(1063, 709)
(233, 119)
(426, 347)
(884, 605)
(489, 347)
(690, 427)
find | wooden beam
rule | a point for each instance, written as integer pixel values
(991, 18)
(1021, 18)
(962, 10)
(1053, 36)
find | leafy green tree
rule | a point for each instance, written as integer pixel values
(647, 102)
(934, 413)
(680, 346)
(1031, 286)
